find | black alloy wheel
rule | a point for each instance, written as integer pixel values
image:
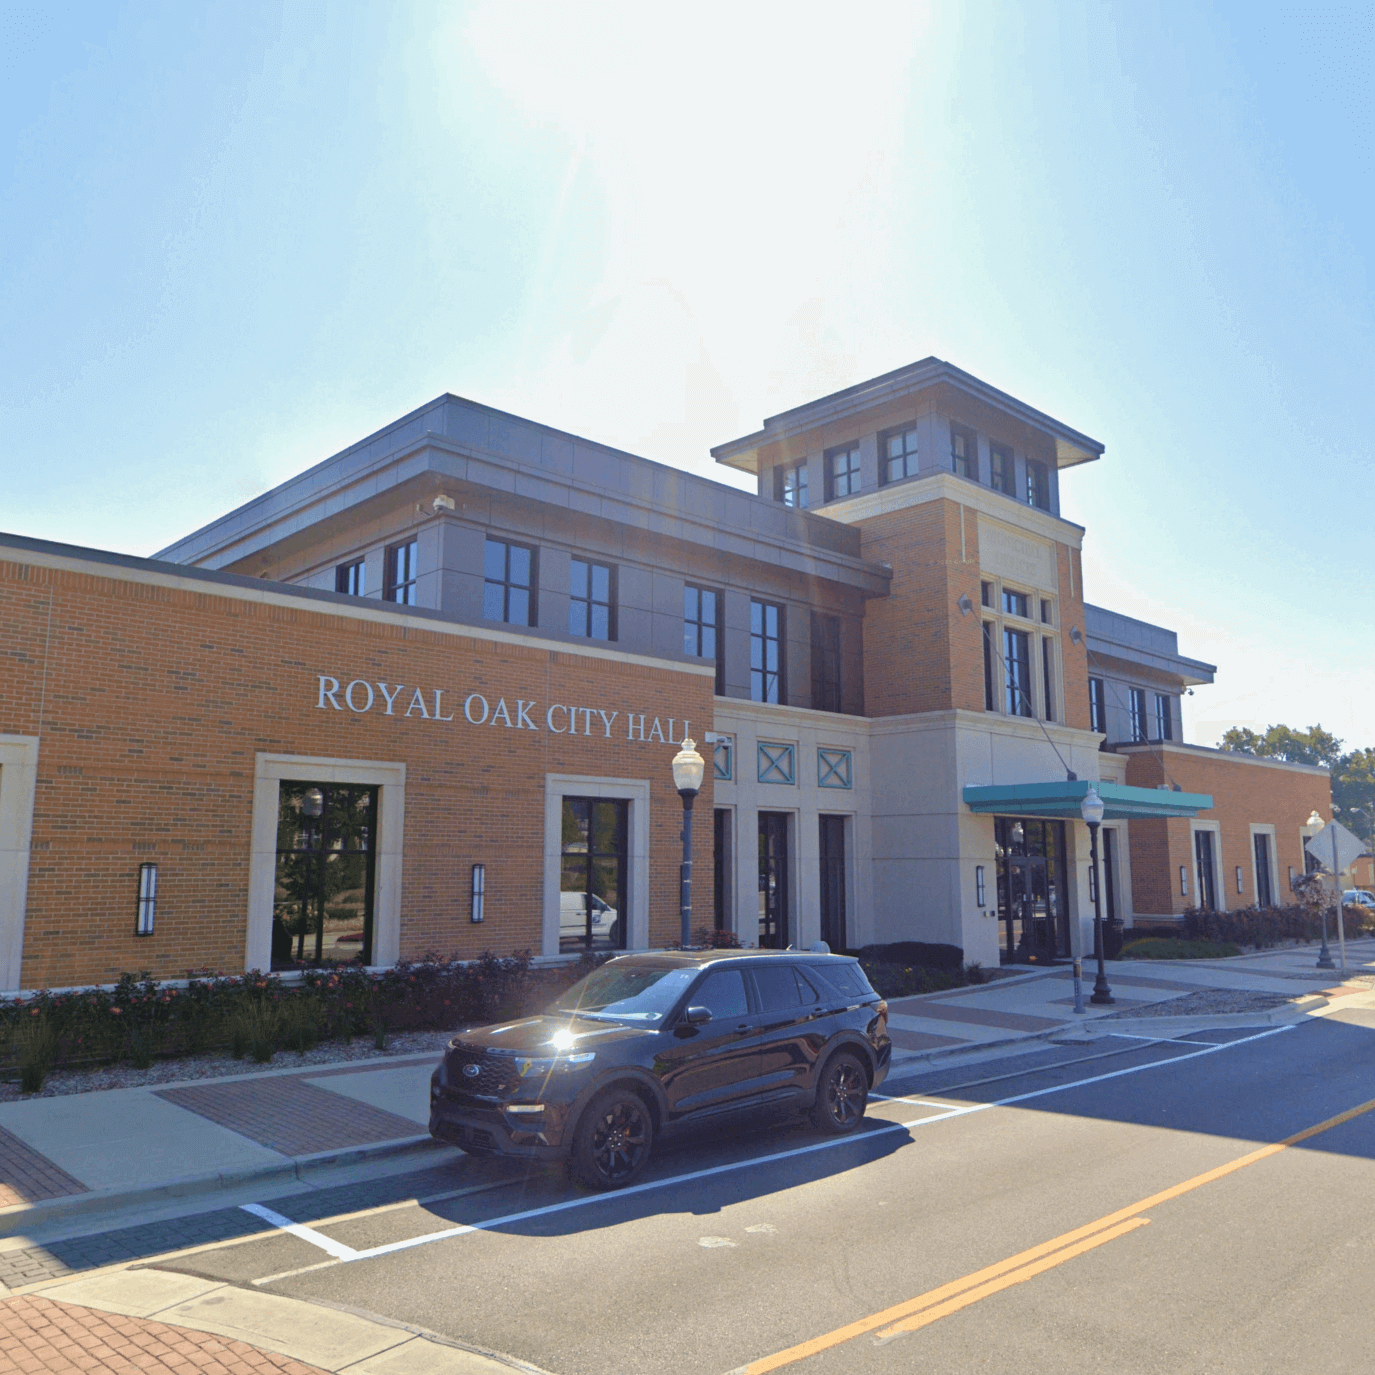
(841, 1096)
(613, 1140)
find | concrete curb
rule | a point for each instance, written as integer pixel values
(20, 1217)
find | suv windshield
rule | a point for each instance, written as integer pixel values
(627, 993)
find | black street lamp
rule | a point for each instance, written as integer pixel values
(688, 768)
(1091, 809)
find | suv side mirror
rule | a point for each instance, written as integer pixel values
(697, 1016)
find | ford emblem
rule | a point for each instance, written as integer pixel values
(472, 1071)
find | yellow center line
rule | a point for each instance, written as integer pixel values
(949, 1298)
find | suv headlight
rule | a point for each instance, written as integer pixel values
(548, 1064)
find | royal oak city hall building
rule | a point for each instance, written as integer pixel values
(425, 696)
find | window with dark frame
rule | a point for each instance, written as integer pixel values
(1037, 484)
(1015, 603)
(826, 694)
(1164, 723)
(1265, 896)
(1098, 707)
(897, 455)
(592, 600)
(702, 636)
(790, 484)
(986, 593)
(1137, 701)
(964, 452)
(990, 677)
(1047, 677)
(1047, 614)
(508, 591)
(1003, 469)
(831, 835)
(401, 564)
(766, 653)
(351, 578)
(842, 472)
(594, 860)
(1017, 653)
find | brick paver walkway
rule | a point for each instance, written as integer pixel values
(38, 1336)
(28, 1177)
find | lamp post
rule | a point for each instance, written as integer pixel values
(1324, 954)
(1091, 809)
(688, 767)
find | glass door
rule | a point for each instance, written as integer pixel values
(833, 881)
(1032, 908)
(773, 880)
(592, 874)
(1203, 854)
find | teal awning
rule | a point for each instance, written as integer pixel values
(1062, 799)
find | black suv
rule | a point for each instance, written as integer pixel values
(648, 1044)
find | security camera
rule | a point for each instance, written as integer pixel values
(442, 503)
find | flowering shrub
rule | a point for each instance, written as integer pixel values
(257, 1014)
(1262, 927)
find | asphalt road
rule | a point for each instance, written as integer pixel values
(1041, 1234)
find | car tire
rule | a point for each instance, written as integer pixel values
(842, 1093)
(612, 1141)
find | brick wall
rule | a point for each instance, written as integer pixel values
(151, 703)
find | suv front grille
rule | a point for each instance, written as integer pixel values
(496, 1076)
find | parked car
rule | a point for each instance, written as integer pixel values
(1358, 897)
(647, 1045)
(573, 919)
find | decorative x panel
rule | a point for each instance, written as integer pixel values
(777, 764)
(834, 769)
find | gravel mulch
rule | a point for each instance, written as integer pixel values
(62, 1082)
(1207, 1003)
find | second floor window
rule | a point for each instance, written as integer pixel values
(1014, 603)
(1098, 707)
(702, 629)
(1164, 722)
(1037, 484)
(990, 675)
(825, 662)
(1004, 472)
(400, 573)
(842, 472)
(766, 652)
(1047, 678)
(591, 609)
(1138, 713)
(964, 452)
(898, 455)
(351, 578)
(790, 484)
(1017, 653)
(508, 590)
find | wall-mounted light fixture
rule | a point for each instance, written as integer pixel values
(1240, 889)
(479, 890)
(147, 910)
(979, 885)
(965, 605)
(1075, 635)
(1183, 882)
(1291, 878)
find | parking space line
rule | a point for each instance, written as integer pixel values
(337, 1249)
(1159, 1040)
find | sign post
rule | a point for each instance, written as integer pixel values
(1335, 847)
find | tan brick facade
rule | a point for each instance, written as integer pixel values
(152, 701)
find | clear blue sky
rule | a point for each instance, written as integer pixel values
(235, 238)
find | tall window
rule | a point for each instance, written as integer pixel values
(898, 453)
(1138, 713)
(1203, 855)
(702, 637)
(790, 484)
(591, 603)
(766, 652)
(825, 662)
(1164, 724)
(400, 573)
(508, 591)
(1265, 896)
(1047, 677)
(1037, 484)
(964, 452)
(594, 858)
(351, 578)
(990, 674)
(1098, 707)
(842, 472)
(1017, 652)
(1015, 603)
(1004, 471)
(832, 853)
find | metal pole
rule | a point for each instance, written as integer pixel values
(685, 888)
(1324, 954)
(1337, 894)
(1078, 984)
(1102, 994)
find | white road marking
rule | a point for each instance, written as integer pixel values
(1158, 1040)
(762, 1227)
(911, 1102)
(337, 1249)
(717, 1241)
(586, 1201)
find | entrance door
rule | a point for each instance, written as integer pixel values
(1031, 889)
(773, 880)
(833, 881)
(592, 874)
(1109, 838)
(326, 862)
(1203, 856)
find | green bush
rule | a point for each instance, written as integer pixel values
(1172, 948)
(36, 1047)
(1263, 927)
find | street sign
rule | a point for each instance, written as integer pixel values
(1349, 848)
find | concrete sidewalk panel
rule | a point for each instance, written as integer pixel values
(138, 1293)
(129, 1138)
(420, 1356)
(403, 1092)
